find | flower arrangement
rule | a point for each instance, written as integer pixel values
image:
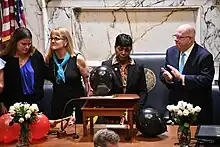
(183, 114)
(24, 114)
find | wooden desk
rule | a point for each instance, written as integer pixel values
(108, 106)
(167, 139)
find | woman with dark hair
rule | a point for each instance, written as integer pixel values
(24, 70)
(130, 76)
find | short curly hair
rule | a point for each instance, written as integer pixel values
(104, 137)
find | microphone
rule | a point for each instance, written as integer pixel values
(71, 120)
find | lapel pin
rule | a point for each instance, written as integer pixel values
(115, 69)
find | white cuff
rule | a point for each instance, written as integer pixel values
(169, 82)
(183, 80)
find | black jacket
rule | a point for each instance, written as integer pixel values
(136, 81)
(13, 91)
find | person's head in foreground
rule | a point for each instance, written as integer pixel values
(106, 138)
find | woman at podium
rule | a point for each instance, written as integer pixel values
(130, 76)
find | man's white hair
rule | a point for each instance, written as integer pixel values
(104, 137)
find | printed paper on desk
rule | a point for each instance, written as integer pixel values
(115, 126)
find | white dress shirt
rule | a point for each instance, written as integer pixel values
(187, 53)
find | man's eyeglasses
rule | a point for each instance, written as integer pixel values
(55, 38)
(175, 37)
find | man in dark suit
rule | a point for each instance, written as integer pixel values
(189, 72)
(130, 76)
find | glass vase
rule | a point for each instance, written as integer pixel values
(24, 136)
(184, 136)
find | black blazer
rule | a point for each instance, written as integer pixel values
(13, 91)
(199, 73)
(136, 81)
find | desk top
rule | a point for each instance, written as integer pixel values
(115, 96)
(167, 139)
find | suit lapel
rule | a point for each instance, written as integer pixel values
(131, 69)
(190, 59)
(116, 69)
(177, 58)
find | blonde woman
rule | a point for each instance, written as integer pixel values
(66, 68)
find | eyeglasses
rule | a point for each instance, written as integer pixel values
(126, 49)
(175, 37)
(56, 38)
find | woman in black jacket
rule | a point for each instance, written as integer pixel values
(24, 70)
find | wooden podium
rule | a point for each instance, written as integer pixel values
(114, 105)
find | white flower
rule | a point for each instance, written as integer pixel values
(31, 109)
(182, 105)
(192, 111)
(176, 108)
(11, 111)
(197, 109)
(27, 116)
(185, 112)
(21, 120)
(17, 105)
(21, 105)
(189, 107)
(11, 108)
(170, 108)
(26, 106)
(180, 113)
(29, 112)
(34, 107)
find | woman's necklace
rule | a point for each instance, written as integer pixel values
(22, 61)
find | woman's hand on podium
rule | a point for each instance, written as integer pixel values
(90, 92)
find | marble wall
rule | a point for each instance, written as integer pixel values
(151, 23)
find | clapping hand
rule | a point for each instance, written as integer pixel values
(175, 73)
(166, 74)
